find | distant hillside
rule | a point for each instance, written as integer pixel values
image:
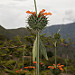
(3, 31)
(11, 33)
(67, 30)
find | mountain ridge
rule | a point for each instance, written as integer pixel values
(67, 30)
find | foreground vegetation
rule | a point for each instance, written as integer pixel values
(17, 54)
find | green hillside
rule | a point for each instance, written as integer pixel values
(11, 33)
(67, 30)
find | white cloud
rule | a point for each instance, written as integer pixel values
(12, 12)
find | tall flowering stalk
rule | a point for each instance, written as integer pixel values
(56, 68)
(56, 37)
(38, 22)
(35, 6)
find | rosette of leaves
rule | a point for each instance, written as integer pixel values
(38, 22)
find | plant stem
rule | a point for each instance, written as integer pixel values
(66, 67)
(37, 56)
(55, 55)
(66, 64)
(35, 6)
(23, 58)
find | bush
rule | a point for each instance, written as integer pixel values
(10, 64)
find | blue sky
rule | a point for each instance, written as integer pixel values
(12, 12)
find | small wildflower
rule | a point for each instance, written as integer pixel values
(34, 62)
(59, 64)
(17, 71)
(49, 66)
(53, 64)
(62, 65)
(21, 69)
(26, 67)
(29, 12)
(33, 12)
(43, 10)
(52, 67)
(41, 63)
(49, 13)
(45, 13)
(61, 69)
(57, 67)
(33, 67)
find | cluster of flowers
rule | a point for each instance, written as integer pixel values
(38, 21)
(60, 67)
(39, 63)
(21, 70)
(28, 67)
(40, 13)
